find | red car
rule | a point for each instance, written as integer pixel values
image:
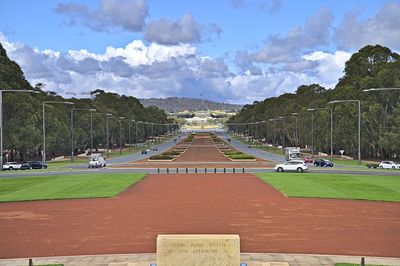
(308, 160)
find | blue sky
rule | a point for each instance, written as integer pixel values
(234, 51)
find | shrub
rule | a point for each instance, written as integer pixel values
(161, 157)
(241, 156)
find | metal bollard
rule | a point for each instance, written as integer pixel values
(30, 262)
(187, 171)
(243, 171)
(224, 170)
(205, 170)
(233, 170)
(215, 170)
(167, 170)
(362, 261)
(177, 170)
(158, 170)
(195, 170)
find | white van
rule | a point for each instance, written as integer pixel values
(97, 160)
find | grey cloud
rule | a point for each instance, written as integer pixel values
(185, 30)
(245, 62)
(314, 33)
(126, 14)
(117, 66)
(383, 28)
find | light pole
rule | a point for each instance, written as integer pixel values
(297, 129)
(331, 111)
(120, 131)
(44, 127)
(72, 127)
(359, 123)
(108, 137)
(1, 120)
(381, 89)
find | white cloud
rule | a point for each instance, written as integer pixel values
(154, 70)
(329, 67)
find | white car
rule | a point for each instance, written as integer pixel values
(292, 165)
(12, 166)
(389, 165)
(97, 161)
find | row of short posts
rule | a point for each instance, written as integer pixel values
(196, 170)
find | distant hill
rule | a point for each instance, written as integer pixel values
(174, 104)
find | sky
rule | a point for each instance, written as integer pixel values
(235, 51)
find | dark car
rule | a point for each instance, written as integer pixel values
(33, 165)
(322, 163)
(144, 151)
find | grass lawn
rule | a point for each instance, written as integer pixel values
(66, 186)
(338, 186)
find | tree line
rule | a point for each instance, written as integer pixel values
(371, 67)
(23, 118)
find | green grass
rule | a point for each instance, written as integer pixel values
(241, 156)
(66, 186)
(338, 186)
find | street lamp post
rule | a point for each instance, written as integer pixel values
(331, 112)
(1, 120)
(72, 127)
(44, 127)
(120, 131)
(297, 129)
(108, 137)
(359, 123)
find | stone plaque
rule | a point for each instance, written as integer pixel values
(198, 250)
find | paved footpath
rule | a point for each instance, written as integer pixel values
(250, 259)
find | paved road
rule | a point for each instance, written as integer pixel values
(134, 156)
(255, 152)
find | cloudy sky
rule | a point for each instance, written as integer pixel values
(236, 51)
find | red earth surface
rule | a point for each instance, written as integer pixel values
(265, 220)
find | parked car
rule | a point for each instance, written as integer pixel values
(389, 165)
(323, 162)
(33, 165)
(154, 149)
(12, 166)
(96, 160)
(308, 159)
(144, 151)
(292, 165)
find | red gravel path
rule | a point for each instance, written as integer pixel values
(184, 204)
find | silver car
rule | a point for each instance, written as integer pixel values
(292, 165)
(389, 165)
(12, 166)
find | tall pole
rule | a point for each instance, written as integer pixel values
(91, 132)
(129, 134)
(72, 135)
(107, 138)
(44, 139)
(359, 132)
(120, 139)
(312, 135)
(331, 133)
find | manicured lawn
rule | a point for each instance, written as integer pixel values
(340, 186)
(66, 186)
